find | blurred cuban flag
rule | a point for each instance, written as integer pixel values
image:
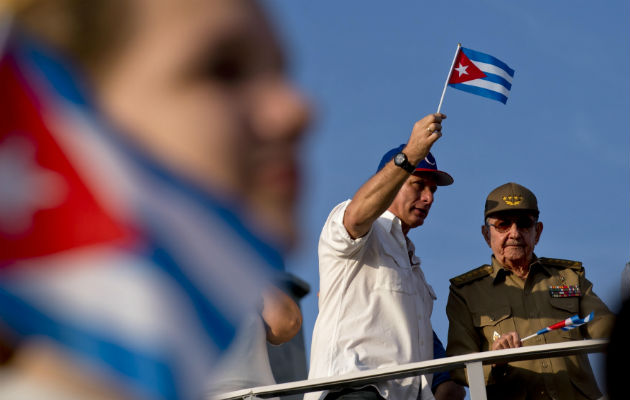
(128, 269)
(481, 74)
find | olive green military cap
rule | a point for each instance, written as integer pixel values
(511, 197)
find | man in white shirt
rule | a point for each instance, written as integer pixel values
(374, 302)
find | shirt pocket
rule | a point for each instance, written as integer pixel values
(498, 319)
(394, 269)
(391, 277)
(563, 308)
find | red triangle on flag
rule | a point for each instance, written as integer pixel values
(47, 207)
(464, 70)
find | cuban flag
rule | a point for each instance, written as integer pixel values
(565, 325)
(132, 272)
(481, 74)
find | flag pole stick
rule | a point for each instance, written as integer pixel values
(448, 78)
(529, 337)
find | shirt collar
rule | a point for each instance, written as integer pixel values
(499, 272)
(389, 221)
(392, 224)
(538, 266)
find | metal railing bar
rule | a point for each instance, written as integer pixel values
(476, 381)
(419, 368)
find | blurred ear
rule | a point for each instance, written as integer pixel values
(539, 229)
(485, 232)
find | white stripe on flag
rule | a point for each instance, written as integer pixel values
(493, 69)
(75, 284)
(495, 87)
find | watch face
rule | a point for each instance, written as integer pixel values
(399, 159)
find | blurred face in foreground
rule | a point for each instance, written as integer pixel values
(201, 84)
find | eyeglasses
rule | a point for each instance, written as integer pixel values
(504, 225)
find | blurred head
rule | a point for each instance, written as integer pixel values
(202, 86)
(511, 227)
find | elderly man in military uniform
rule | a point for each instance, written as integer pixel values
(493, 306)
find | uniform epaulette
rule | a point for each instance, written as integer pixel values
(560, 263)
(473, 275)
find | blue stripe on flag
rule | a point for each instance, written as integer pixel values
(147, 373)
(491, 94)
(577, 321)
(496, 79)
(58, 71)
(488, 59)
(568, 328)
(216, 325)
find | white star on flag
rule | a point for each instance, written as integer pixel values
(25, 187)
(462, 69)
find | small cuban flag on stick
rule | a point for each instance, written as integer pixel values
(565, 325)
(479, 73)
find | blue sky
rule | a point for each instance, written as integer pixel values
(372, 68)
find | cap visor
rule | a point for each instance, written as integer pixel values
(441, 177)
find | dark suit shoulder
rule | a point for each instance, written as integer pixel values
(471, 275)
(561, 264)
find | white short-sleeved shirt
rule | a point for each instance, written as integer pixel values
(374, 305)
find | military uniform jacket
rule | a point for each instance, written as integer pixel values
(492, 299)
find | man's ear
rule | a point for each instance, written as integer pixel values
(485, 232)
(539, 229)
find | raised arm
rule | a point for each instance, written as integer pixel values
(377, 194)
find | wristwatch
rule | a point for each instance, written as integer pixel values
(401, 161)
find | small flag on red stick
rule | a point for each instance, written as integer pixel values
(565, 325)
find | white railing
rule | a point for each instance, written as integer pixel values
(472, 362)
